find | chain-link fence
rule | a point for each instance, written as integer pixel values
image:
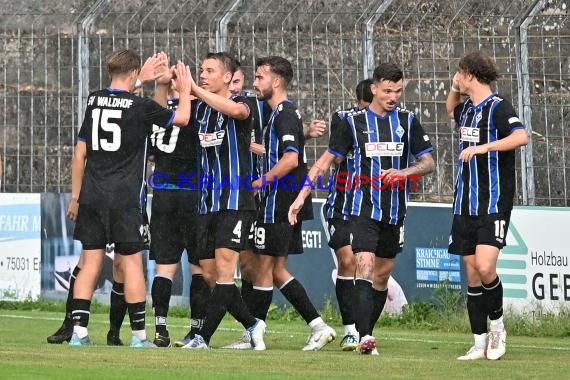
(54, 54)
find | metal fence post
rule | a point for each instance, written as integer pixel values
(83, 58)
(222, 32)
(368, 38)
(523, 79)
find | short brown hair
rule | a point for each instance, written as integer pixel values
(122, 62)
(229, 63)
(279, 66)
(480, 65)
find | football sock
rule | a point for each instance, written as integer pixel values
(69, 302)
(379, 297)
(200, 294)
(344, 289)
(363, 303)
(493, 293)
(161, 292)
(118, 306)
(297, 296)
(476, 310)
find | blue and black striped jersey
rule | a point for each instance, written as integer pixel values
(337, 205)
(284, 133)
(224, 159)
(380, 143)
(486, 184)
(261, 112)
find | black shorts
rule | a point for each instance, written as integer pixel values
(173, 225)
(339, 233)
(228, 229)
(467, 232)
(296, 241)
(250, 241)
(383, 239)
(96, 227)
(278, 239)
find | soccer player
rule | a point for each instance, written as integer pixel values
(489, 132)
(247, 259)
(383, 139)
(109, 168)
(274, 237)
(224, 129)
(337, 213)
(118, 306)
(174, 222)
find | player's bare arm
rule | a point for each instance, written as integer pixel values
(163, 83)
(319, 168)
(284, 166)
(182, 84)
(454, 96)
(425, 164)
(518, 138)
(235, 110)
(77, 171)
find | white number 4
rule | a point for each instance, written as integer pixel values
(237, 229)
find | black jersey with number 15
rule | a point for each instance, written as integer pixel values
(116, 129)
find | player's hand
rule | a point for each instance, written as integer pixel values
(151, 68)
(164, 71)
(73, 209)
(257, 149)
(317, 128)
(468, 153)
(183, 81)
(455, 81)
(256, 186)
(295, 209)
(392, 176)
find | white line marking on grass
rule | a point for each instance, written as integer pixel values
(292, 333)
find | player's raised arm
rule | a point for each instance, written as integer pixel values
(235, 110)
(454, 96)
(182, 84)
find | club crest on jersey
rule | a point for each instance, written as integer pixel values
(400, 131)
(211, 139)
(468, 134)
(381, 149)
(220, 120)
